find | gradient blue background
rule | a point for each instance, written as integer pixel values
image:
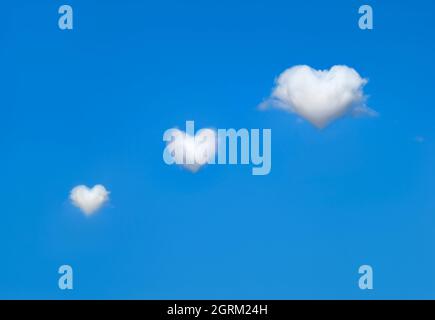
(90, 106)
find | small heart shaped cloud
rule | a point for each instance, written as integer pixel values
(192, 152)
(320, 96)
(89, 200)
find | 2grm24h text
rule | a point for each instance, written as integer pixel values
(224, 309)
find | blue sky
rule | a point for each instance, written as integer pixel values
(90, 106)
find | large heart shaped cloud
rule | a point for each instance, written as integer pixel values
(320, 96)
(89, 200)
(192, 152)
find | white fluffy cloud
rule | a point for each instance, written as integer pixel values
(320, 96)
(89, 200)
(192, 152)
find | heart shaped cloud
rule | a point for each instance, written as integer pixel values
(192, 152)
(320, 96)
(89, 200)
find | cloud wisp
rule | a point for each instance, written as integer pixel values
(320, 96)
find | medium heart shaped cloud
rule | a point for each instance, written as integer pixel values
(89, 200)
(320, 96)
(192, 152)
